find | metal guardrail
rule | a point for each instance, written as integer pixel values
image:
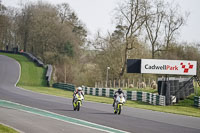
(29, 55)
(33, 58)
(130, 95)
(197, 101)
(48, 74)
(107, 92)
(63, 86)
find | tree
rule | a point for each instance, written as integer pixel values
(69, 17)
(24, 24)
(155, 12)
(108, 54)
(64, 11)
(174, 20)
(131, 17)
(163, 23)
(4, 25)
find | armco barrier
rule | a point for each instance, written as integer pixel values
(197, 101)
(33, 58)
(48, 74)
(29, 55)
(106, 92)
(131, 95)
(63, 86)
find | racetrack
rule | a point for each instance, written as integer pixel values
(131, 120)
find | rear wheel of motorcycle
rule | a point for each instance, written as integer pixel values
(74, 109)
(119, 110)
(78, 107)
(115, 112)
(73, 106)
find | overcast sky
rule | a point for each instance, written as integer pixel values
(97, 15)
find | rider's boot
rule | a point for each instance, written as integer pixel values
(113, 104)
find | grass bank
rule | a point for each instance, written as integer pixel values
(31, 75)
(184, 107)
(5, 129)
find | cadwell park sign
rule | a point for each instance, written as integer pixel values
(173, 89)
(157, 66)
(174, 67)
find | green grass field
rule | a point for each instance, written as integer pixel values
(184, 107)
(5, 129)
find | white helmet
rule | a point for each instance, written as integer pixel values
(79, 89)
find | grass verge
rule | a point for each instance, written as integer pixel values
(150, 90)
(184, 107)
(5, 129)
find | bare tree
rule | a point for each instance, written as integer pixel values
(155, 12)
(69, 17)
(3, 24)
(173, 22)
(25, 25)
(131, 19)
(163, 23)
(64, 11)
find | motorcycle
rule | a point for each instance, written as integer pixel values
(78, 101)
(120, 100)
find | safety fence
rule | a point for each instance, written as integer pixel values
(131, 95)
(197, 101)
(28, 55)
(48, 74)
(64, 86)
(32, 58)
(150, 98)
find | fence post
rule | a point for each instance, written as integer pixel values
(196, 87)
(149, 83)
(123, 83)
(128, 82)
(95, 85)
(114, 83)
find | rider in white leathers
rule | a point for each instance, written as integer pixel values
(79, 89)
(118, 92)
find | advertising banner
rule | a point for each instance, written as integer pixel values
(174, 67)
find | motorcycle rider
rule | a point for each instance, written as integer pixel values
(118, 92)
(79, 89)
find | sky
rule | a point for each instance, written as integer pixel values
(97, 15)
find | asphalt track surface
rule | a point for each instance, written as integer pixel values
(131, 120)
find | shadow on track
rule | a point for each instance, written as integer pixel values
(62, 109)
(104, 113)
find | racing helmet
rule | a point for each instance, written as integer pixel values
(120, 90)
(79, 89)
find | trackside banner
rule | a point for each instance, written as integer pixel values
(174, 67)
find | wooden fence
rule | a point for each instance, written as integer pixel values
(127, 83)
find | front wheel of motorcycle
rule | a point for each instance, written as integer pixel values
(120, 109)
(74, 107)
(78, 107)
